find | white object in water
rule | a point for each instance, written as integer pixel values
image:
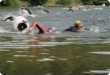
(33, 16)
(103, 4)
(40, 6)
(108, 73)
(20, 23)
(0, 0)
(1, 74)
(45, 59)
(94, 29)
(109, 0)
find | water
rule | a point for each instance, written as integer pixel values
(65, 53)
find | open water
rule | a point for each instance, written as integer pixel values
(64, 53)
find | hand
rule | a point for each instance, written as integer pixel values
(30, 30)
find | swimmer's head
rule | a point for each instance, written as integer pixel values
(78, 25)
(52, 28)
(77, 22)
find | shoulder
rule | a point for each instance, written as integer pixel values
(70, 28)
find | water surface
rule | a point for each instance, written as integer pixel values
(65, 53)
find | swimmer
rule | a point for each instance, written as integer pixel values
(47, 11)
(22, 25)
(24, 9)
(9, 18)
(78, 26)
(71, 9)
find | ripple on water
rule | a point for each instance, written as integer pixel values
(46, 59)
(98, 71)
(101, 52)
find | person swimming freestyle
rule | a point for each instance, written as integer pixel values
(41, 28)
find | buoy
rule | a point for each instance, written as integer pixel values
(20, 23)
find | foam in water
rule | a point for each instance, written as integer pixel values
(1, 74)
(99, 71)
(25, 31)
(0, 0)
(101, 52)
(26, 12)
(3, 30)
(94, 28)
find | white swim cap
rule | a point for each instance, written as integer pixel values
(53, 28)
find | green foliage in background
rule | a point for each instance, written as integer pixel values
(95, 2)
(52, 2)
(70, 2)
(65, 2)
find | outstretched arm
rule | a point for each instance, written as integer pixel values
(40, 27)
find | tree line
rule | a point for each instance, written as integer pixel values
(52, 2)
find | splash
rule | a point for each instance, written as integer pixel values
(0, 1)
(94, 29)
(99, 72)
(3, 30)
(101, 52)
(1, 74)
(26, 12)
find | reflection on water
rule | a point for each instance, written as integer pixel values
(65, 53)
(103, 52)
(99, 72)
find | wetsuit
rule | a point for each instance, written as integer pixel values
(41, 28)
(72, 29)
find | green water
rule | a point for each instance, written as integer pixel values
(72, 59)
